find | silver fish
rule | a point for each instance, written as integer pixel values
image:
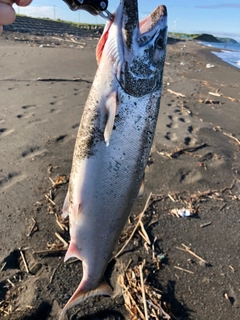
(114, 140)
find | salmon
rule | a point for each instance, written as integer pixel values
(114, 140)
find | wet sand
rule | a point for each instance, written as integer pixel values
(194, 164)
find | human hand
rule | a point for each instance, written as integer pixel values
(7, 13)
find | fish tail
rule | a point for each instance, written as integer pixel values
(80, 295)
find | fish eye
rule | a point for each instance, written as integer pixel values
(160, 43)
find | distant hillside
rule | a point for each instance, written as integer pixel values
(201, 37)
(227, 40)
(206, 38)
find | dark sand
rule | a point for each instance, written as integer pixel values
(38, 127)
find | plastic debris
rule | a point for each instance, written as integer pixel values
(183, 213)
(160, 257)
(209, 65)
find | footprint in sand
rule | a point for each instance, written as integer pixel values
(36, 122)
(33, 152)
(5, 132)
(55, 110)
(64, 138)
(56, 103)
(188, 177)
(75, 126)
(2, 130)
(179, 126)
(10, 180)
(29, 106)
(25, 116)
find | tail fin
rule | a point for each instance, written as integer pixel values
(79, 295)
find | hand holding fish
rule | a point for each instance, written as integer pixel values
(7, 13)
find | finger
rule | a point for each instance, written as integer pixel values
(23, 3)
(7, 14)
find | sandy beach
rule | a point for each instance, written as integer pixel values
(193, 261)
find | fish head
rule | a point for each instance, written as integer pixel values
(139, 48)
(144, 50)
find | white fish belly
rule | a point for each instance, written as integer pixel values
(110, 180)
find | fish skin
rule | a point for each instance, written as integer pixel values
(114, 141)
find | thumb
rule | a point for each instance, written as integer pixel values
(23, 3)
(7, 14)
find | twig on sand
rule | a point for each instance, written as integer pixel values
(185, 270)
(53, 183)
(187, 249)
(190, 149)
(206, 224)
(11, 283)
(128, 294)
(143, 301)
(3, 266)
(33, 228)
(136, 226)
(171, 197)
(177, 153)
(143, 290)
(231, 267)
(54, 271)
(217, 128)
(146, 237)
(214, 94)
(24, 261)
(46, 251)
(232, 99)
(178, 94)
(65, 244)
(60, 224)
(50, 200)
(231, 136)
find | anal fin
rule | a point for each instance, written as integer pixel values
(72, 252)
(111, 107)
(80, 295)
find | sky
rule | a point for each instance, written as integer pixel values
(195, 16)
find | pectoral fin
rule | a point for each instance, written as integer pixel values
(80, 295)
(111, 108)
(141, 190)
